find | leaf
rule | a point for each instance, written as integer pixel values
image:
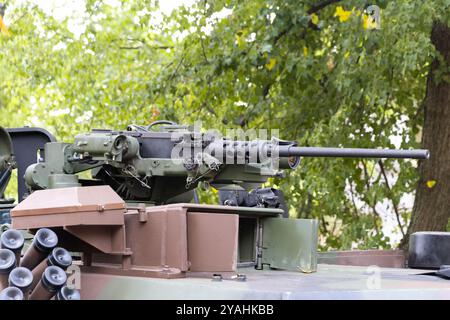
(271, 64)
(3, 28)
(431, 183)
(342, 14)
(240, 40)
(305, 51)
(330, 63)
(314, 18)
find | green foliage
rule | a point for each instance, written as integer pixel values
(266, 64)
(68, 84)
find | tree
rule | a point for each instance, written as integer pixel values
(71, 75)
(80, 72)
(432, 204)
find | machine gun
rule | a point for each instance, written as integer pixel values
(166, 165)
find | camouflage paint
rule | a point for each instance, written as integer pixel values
(330, 282)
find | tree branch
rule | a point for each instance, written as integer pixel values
(321, 5)
(374, 204)
(397, 214)
(324, 225)
(151, 47)
(352, 193)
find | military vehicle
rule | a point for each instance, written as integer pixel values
(136, 222)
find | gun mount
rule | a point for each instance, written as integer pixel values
(165, 166)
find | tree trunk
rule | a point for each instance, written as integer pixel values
(431, 210)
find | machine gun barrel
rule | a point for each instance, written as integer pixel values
(292, 151)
